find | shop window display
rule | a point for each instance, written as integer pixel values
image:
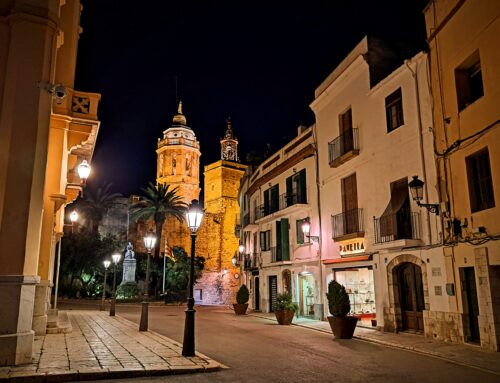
(359, 284)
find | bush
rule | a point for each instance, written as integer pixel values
(242, 295)
(338, 300)
(127, 291)
(284, 303)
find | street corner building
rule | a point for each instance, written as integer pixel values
(47, 129)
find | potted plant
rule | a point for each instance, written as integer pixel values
(342, 325)
(241, 305)
(285, 308)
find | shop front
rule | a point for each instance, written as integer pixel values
(356, 275)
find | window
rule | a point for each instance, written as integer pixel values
(296, 188)
(480, 183)
(265, 240)
(301, 238)
(271, 200)
(394, 110)
(469, 81)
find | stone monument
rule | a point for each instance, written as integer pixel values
(129, 264)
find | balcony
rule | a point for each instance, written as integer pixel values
(276, 255)
(290, 199)
(78, 104)
(343, 148)
(284, 201)
(398, 230)
(250, 261)
(348, 225)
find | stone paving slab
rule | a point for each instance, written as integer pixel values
(104, 347)
(463, 354)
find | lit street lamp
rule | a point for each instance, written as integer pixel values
(306, 229)
(84, 171)
(194, 217)
(149, 243)
(106, 266)
(73, 217)
(116, 258)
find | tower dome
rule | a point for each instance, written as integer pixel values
(179, 118)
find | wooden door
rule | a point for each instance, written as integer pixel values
(350, 204)
(347, 137)
(411, 293)
(471, 304)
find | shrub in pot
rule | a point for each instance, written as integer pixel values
(242, 296)
(285, 309)
(342, 325)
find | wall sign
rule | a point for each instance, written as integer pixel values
(352, 246)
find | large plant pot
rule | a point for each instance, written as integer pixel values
(343, 328)
(240, 308)
(284, 317)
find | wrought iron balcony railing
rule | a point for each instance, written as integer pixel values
(347, 222)
(346, 143)
(401, 225)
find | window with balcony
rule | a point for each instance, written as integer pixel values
(397, 221)
(350, 222)
(271, 200)
(469, 81)
(394, 110)
(481, 193)
(265, 240)
(346, 145)
(296, 189)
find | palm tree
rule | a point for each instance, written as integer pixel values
(96, 204)
(158, 202)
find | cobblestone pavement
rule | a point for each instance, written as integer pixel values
(104, 347)
(463, 354)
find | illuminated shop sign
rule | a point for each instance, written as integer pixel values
(351, 247)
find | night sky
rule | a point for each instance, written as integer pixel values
(258, 62)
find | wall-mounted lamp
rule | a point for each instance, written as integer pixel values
(417, 192)
(306, 229)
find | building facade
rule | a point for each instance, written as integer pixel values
(276, 199)
(465, 81)
(46, 130)
(374, 121)
(217, 240)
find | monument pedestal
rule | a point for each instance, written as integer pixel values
(129, 266)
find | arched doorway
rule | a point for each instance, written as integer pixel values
(411, 296)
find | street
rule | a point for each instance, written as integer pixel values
(259, 350)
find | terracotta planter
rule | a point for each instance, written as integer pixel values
(284, 317)
(343, 328)
(240, 309)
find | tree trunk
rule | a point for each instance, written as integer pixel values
(159, 228)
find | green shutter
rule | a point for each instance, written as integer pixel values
(285, 250)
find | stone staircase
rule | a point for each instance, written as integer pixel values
(58, 322)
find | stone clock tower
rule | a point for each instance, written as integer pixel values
(217, 240)
(179, 166)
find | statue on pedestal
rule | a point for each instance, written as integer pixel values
(129, 264)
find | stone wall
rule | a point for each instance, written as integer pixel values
(444, 326)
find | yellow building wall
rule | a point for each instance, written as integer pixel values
(216, 240)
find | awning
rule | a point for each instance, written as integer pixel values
(346, 259)
(399, 197)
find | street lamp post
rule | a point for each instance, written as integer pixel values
(106, 266)
(116, 258)
(149, 243)
(73, 217)
(194, 217)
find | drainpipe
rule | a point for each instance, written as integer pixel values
(320, 241)
(421, 145)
